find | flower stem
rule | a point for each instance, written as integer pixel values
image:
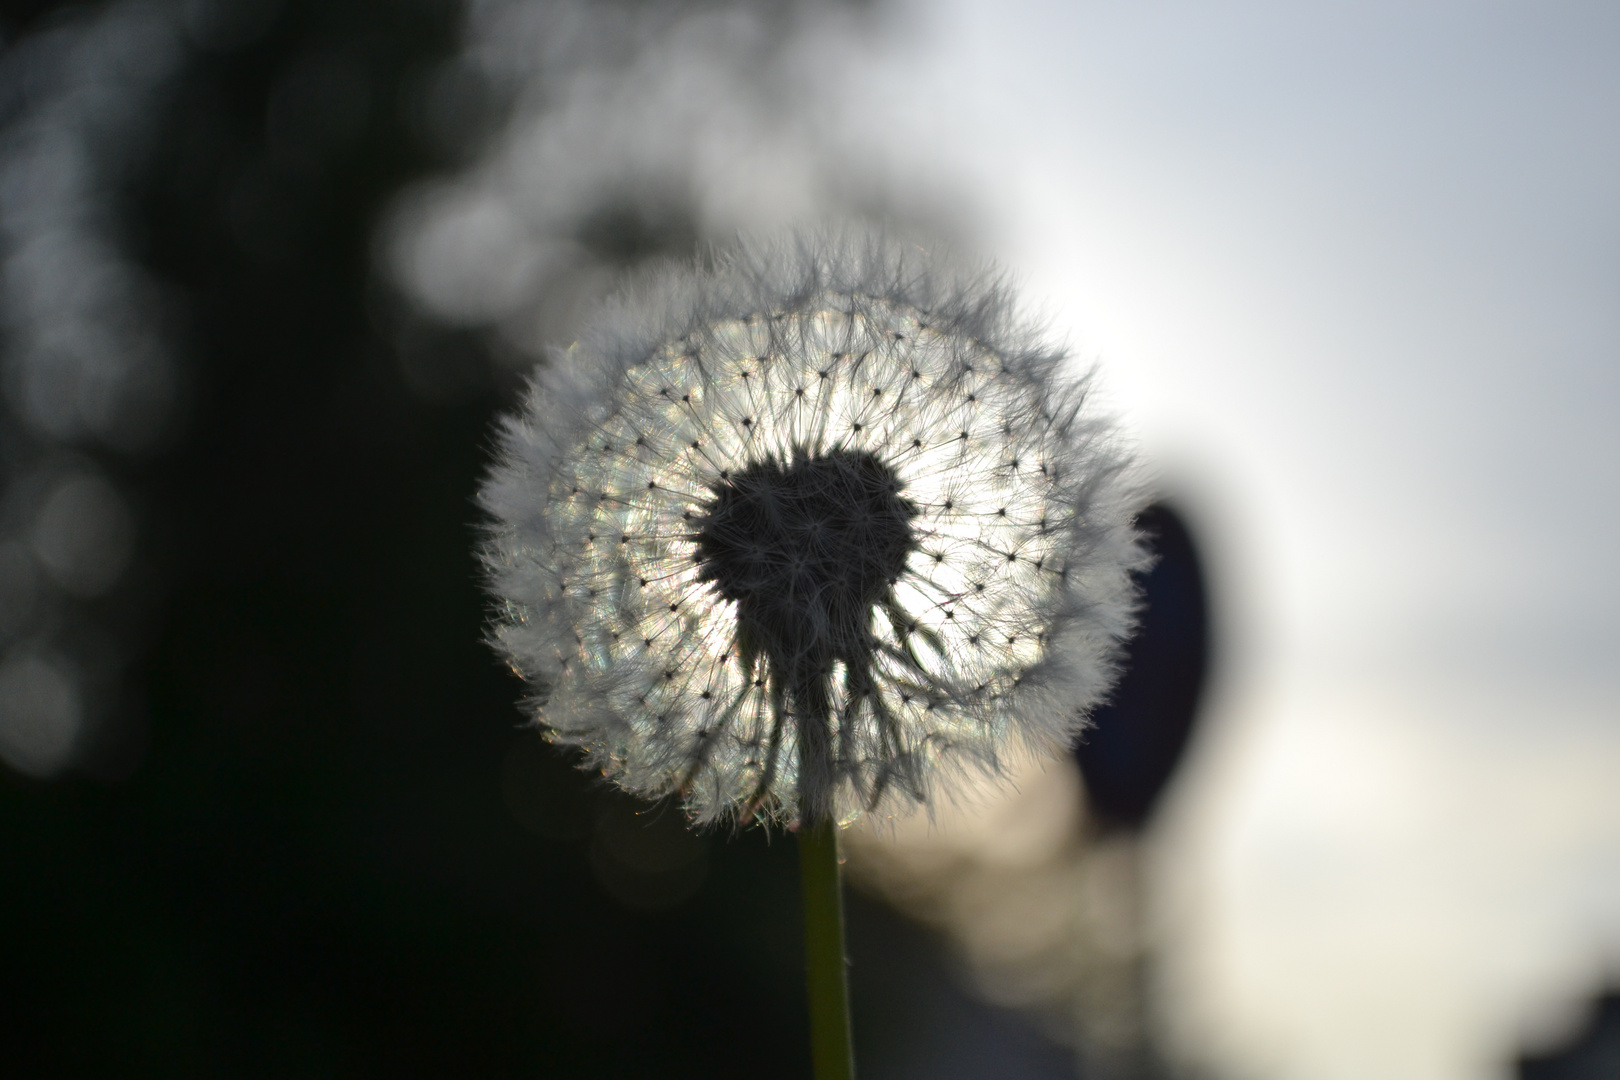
(832, 1053)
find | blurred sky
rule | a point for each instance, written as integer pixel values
(1353, 275)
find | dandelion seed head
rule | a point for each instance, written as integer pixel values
(773, 535)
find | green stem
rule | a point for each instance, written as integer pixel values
(831, 1049)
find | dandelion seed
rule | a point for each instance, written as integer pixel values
(812, 516)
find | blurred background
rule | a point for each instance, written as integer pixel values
(269, 268)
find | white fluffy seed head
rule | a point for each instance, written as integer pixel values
(808, 529)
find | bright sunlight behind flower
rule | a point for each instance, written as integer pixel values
(808, 528)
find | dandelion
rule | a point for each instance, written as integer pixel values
(807, 530)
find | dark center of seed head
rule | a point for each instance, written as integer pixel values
(807, 550)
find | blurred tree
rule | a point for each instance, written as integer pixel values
(339, 856)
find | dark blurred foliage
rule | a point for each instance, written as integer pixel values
(321, 865)
(1592, 1054)
(1128, 757)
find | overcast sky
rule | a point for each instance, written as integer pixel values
(1352, 273)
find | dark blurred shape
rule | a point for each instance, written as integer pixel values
(1128, 757)
(1594, 1054)
(625, 232)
